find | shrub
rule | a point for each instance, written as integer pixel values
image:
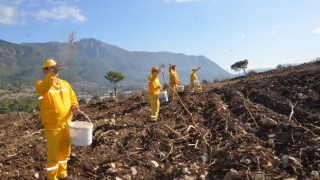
(144, 92)
(28, 104)
(96, 98)
(121, 95)
(24, 104)
(216, 80)
(4, 107)
(82, 101)
(280, 67)
(252, 72)
(205, 81)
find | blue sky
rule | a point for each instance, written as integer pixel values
(266, 32)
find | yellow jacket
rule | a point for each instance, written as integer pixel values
(55, 101)
(174, 78)
(154, 84)
(193, 75)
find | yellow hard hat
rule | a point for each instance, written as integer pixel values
(48, 63)
(154, 69)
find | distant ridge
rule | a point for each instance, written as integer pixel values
(90, 59)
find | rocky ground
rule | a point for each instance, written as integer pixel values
(263, 126)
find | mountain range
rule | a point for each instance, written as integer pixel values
(88, 60)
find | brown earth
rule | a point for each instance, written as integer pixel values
(265, 125)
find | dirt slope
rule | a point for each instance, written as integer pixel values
(265, 125)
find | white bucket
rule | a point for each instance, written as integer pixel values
(81, 133)
(163, 97)
(196, 83)
(180, 88)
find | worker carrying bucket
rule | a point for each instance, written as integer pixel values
(58, 103)
(194, 81)
(153, 91)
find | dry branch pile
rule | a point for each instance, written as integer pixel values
(265, 126)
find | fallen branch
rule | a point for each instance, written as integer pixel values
(123, 148)
(179, 99)
(258, 162)
(299, 124)
(170, 152)
(11, 155)
(37, 132)
(105, 133)
(196, 144)
(212, 163)
(292, 106)
(93, 174)
(204, 138)
(175, 132)
(190, 126)
(255, 123)
(218, 149)
(179, 115)
(190, 114)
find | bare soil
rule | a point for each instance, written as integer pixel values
(265, 125)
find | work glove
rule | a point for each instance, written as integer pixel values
(58, 67)
(75, 110)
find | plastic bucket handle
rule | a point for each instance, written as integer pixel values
(85, 116)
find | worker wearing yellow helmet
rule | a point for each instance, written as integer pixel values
(154, 90)
(174, 81)
(58, 103)
(194, 82)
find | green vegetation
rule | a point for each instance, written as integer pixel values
(114, 77)
(96, 98)
(13, 86)
(82, 101)
(88, 60)
(25, 104)
(240, 65)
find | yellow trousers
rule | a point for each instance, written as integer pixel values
(173, 92)
(58, 152)
(155, 106)
(192, 86)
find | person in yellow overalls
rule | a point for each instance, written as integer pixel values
(154, 89)
(58, 103)
(193, 78)
(174, 80)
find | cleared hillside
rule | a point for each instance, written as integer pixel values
(265, 125)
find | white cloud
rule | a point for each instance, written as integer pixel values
(243, 36)
(180, 1)
(62, 12)
(19, 11)
(7, 15)
(274, 31)
(316, 31)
